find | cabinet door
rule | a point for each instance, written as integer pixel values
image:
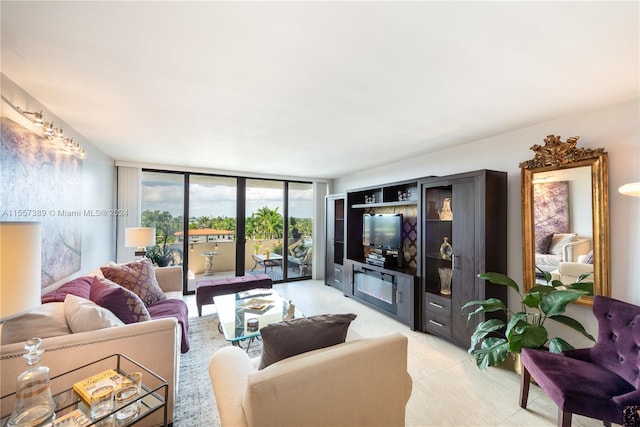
(463, 258)
(404, 298)
(329, 276)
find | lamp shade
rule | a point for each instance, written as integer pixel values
(20, 264)
(139, 237)
(632, 189)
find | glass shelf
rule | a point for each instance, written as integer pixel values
(153, 396)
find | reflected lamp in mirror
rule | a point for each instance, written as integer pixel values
(20, 263)
(631, 189)
(140, 238)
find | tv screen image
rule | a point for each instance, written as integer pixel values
(382, 231)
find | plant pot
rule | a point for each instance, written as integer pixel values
(517, 365)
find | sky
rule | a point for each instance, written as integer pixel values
(216, 196)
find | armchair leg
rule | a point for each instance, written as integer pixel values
(564, 418)
(525, 381)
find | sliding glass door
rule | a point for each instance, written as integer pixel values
(300, 229)
(234, 226)
(212, 228)
(264, 228)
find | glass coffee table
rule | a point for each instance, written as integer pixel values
(238, 312)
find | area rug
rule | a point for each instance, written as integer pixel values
(195, 404)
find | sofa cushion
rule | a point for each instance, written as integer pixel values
(139, 277)
(80, 286)
(285, 339)
(45, 321)
(84, 315)
(126, 305)
(559, 240)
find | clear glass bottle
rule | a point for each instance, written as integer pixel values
(445, 249)
(34, 405)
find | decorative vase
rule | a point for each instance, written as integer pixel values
(445, 249)
(445, 280)
(446, 214)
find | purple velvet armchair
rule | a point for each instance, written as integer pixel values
(597, 382)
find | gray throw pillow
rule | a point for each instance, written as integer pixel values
(285, 339)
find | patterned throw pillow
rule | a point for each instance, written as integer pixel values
(126, 305)
(139, 277)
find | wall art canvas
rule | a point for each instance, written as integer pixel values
(40, 182)
(550, 212)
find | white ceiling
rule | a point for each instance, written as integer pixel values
(314, 89)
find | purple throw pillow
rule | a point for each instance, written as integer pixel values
(139, 277)
(80, 287)
(126, 305)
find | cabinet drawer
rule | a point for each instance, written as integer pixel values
(438, 305)
(437, 318)
(337, 274)
(440, 325)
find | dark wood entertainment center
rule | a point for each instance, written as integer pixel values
(421, 285)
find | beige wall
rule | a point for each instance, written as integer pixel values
(614, 127)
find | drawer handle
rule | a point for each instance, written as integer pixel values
(337, 270)
(436, 323)
(436, 304)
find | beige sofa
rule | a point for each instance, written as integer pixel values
(154, 344)
(358, 383)
(570, 272)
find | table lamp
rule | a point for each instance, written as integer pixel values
(631, 189)
(20, 275)
(140, 238)
(20, 288)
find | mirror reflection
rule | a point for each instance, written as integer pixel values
(565, 215)
(563, 226)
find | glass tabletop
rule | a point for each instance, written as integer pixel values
(235, 310)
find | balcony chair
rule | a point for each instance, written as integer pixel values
(597, 382)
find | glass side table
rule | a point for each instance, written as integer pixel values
(153, 393)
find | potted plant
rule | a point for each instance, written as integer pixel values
(493, 340)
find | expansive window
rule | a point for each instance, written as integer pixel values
(234, 226)
(212, 227)
(300, 229)
(162, 203)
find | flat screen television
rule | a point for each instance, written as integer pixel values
(382, 231)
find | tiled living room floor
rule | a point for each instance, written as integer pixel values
(448, 388)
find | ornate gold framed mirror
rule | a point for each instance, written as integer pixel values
(565, 215)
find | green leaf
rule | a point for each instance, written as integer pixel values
(500, 279)
(583, 286)
(542, 289)
(532, 299)
(556, 302)
(484, 329)
(546, 274)
(492, 353)
(488, 305)
(573, 324)
(526, 335)
(558, 345)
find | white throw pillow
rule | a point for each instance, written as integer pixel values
(559, 240)
(84, 315)
(45, 321)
